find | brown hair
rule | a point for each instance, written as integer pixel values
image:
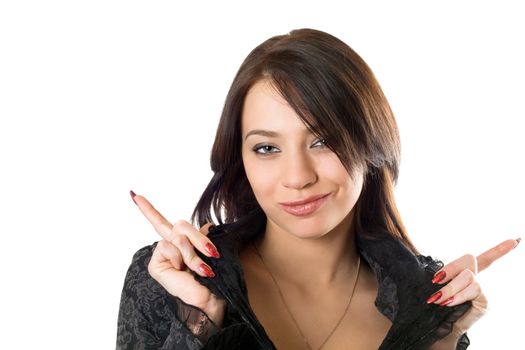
(337, 96)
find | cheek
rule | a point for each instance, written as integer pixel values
(261, 178)
(353, 188)
(336, 173)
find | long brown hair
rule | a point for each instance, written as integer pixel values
(337, 96)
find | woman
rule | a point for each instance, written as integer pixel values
(310, 251)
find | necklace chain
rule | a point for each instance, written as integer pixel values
(290, 312)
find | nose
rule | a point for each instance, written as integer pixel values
(298, 171)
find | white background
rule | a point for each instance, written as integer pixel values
(100, 97)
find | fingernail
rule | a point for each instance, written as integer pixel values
(434, 297)
(206, 270)
(212, 250)
(446, 302)
(132, 196)
(518, 240)
(440, 276)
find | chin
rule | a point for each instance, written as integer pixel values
(310, 234)
(311, 228)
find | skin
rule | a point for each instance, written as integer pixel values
(319, 263)
(294, 164)
(285, 163)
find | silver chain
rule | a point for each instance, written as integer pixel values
(290, 313)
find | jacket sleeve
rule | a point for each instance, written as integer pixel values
(151, 318)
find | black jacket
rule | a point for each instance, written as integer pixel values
(150, 318)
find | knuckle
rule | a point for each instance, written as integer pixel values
(469, 275)
(447, 291)
(477, 288)
(469, 258)
(471, 261)
(179, 224)
(162, 244)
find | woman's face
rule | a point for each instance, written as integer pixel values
(285, 163)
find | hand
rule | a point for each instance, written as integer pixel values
(176, 251)
(463, 285)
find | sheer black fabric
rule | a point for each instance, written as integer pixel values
(195, 320)
(150, 318)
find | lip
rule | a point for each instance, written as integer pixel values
(304, 201)
(305, 206)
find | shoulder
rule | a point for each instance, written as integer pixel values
(143, 255)
(137, 273)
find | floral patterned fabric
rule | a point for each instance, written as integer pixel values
(150, 318)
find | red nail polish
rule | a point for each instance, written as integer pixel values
(207, 270)
(133, 196)
(440, 276)
(434, 297)
(211, 249)
(446, 302)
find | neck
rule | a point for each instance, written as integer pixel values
(311, 262)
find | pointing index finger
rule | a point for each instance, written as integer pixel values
(159, 222)
(487, 258)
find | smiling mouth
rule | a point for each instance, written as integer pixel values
(305, 207)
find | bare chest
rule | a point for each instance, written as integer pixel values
(317, 315)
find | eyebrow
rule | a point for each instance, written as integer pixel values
(267, 133)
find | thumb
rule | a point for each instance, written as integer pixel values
(206, 227)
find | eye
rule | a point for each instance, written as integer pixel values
(265, 149)
(320, 142)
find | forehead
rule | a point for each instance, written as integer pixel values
(265, 108)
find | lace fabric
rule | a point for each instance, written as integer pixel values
(404, 285)
(195, 320)
(445, 327)
(150, 318)
(432, 322)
